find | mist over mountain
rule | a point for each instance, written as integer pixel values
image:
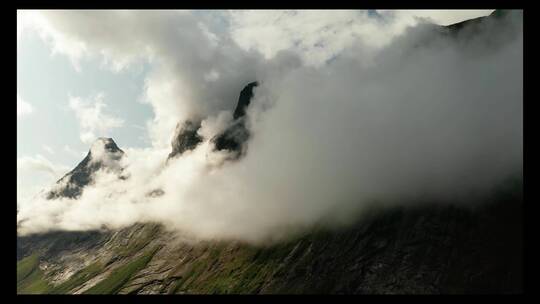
(383, 171)
(104, 154)
(419, 122)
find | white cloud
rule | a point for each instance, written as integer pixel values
(93, 121)
(176, 87)
(41, 164)
(315, 35)
(36, 174)
(187, 52)
(212, 76)
(59, 41)
(327, 140)
(23, 108)
(48, 149)
(319, 35)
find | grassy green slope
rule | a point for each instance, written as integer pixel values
(78, 278)
(243, 272)
(30, 279)
(26, 266)
(121, 276)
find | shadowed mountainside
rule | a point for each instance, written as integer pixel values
(434, 249)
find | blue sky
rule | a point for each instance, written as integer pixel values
(47, 80)
(51, 131)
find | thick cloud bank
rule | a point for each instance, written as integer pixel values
(428, 117)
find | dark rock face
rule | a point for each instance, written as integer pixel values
(110, 145)
(234, 137)
(74, 181)
(186, 138)
(243, 101)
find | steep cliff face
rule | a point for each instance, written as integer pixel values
(235, 137)
(430, 248)
(244, 100)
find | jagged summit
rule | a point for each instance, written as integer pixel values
(185, 138)
(108, 143)
(243, 101)
(104, 153)
(232, 139)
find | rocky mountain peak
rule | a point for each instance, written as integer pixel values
(232, 139)
(243, 101)
(108, 144)
(185, 138)
(103, 154)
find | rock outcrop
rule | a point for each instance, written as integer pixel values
(186, 138)
(236, 135)
(244, 100)
(232, 139)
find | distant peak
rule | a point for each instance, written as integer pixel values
(104, 140)
(107, 143)
(104, 153)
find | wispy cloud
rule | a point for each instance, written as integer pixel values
(39, 163)
(23, 107)
(73, 153)
(93, 120)
(48, 149)
(34, 175)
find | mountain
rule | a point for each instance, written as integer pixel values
(105, 154)
(236, 135)
(231, 139)
(185, 138)
(436, 249)
(244, 100)
(430, 248)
